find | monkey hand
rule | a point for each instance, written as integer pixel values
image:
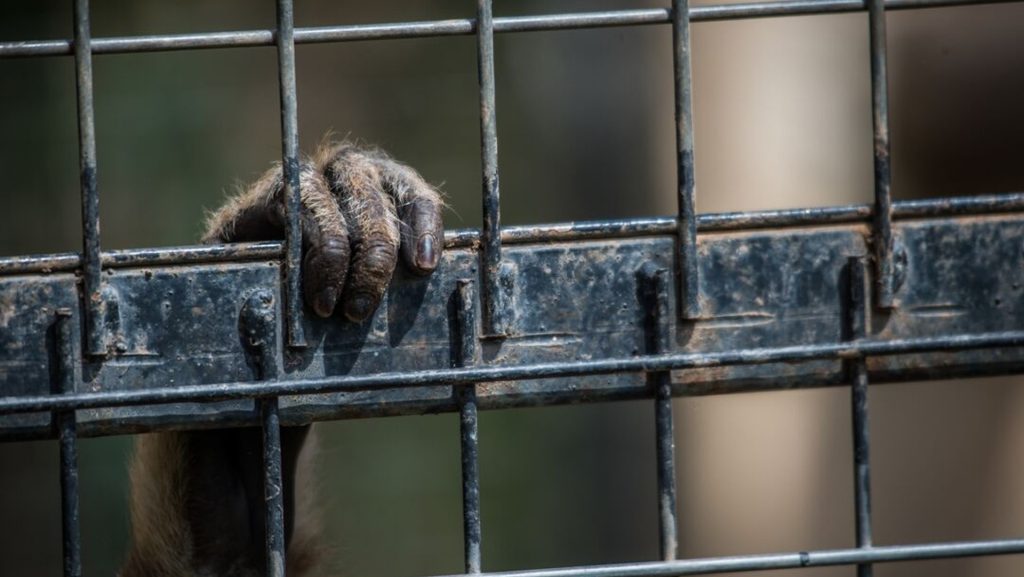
(360, 209)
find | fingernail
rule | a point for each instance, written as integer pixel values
(426, 256)
(359, 307)
(325, 301)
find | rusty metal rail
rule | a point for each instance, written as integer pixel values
(101, 343)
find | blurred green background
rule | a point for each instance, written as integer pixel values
(586, 131)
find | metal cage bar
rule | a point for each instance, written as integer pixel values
(259, 322)
(469, 426)
(794, 560)
(67, 432)
(95, 337)
(290, 171)
(495, 309)
(660, 332)
(273, 487)
(858, 319)
(495, 373)
(884, 244)
(686, 252)
(465, 26)
(569, 231)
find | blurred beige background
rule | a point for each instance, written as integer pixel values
(585, 124)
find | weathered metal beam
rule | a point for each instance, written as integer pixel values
(576, 302)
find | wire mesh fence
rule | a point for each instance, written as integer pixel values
(518, 316)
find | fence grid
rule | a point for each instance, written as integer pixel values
(677, 282)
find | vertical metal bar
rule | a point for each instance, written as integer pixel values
(859, 404)
(883, 237)
(686, 250)
(68, 434)
(257, 324)
(660, 342)
(494, 308)
(469, 427)
(95, 339)
(273, 487)
(290, 167)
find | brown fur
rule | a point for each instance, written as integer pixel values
(162, 544)
(307, 553)
(178, 480)
(266, 196)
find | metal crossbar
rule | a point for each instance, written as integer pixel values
(666, 310)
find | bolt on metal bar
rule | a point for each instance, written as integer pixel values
(67, 431)
(885, 259)
(95, 337)
(495, 310)
(296, 336)
(857, 329)
(273, 487)
(469, 352)
(492, 373)
(794, 560)
(660, 337)
(686, 251)
(464, 27)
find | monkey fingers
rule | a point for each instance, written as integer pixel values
(259, 214)
(419, 208)
(390, 208)
(373, 227)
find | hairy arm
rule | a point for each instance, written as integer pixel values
(197, 502)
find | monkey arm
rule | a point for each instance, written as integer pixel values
(197, 503)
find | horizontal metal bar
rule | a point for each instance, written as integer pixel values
(768, 289)
(821, 558)
(557, 232)
(461, 27)
(488, 374)
(141, 257)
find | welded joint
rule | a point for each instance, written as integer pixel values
(856, 307)
(94, 316)
(465, 327)
(63, 371)
(257, 329)
(891, 273)
(654, 284)
(500, 303)
(104, 323)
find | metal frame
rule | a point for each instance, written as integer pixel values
(662, 314)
